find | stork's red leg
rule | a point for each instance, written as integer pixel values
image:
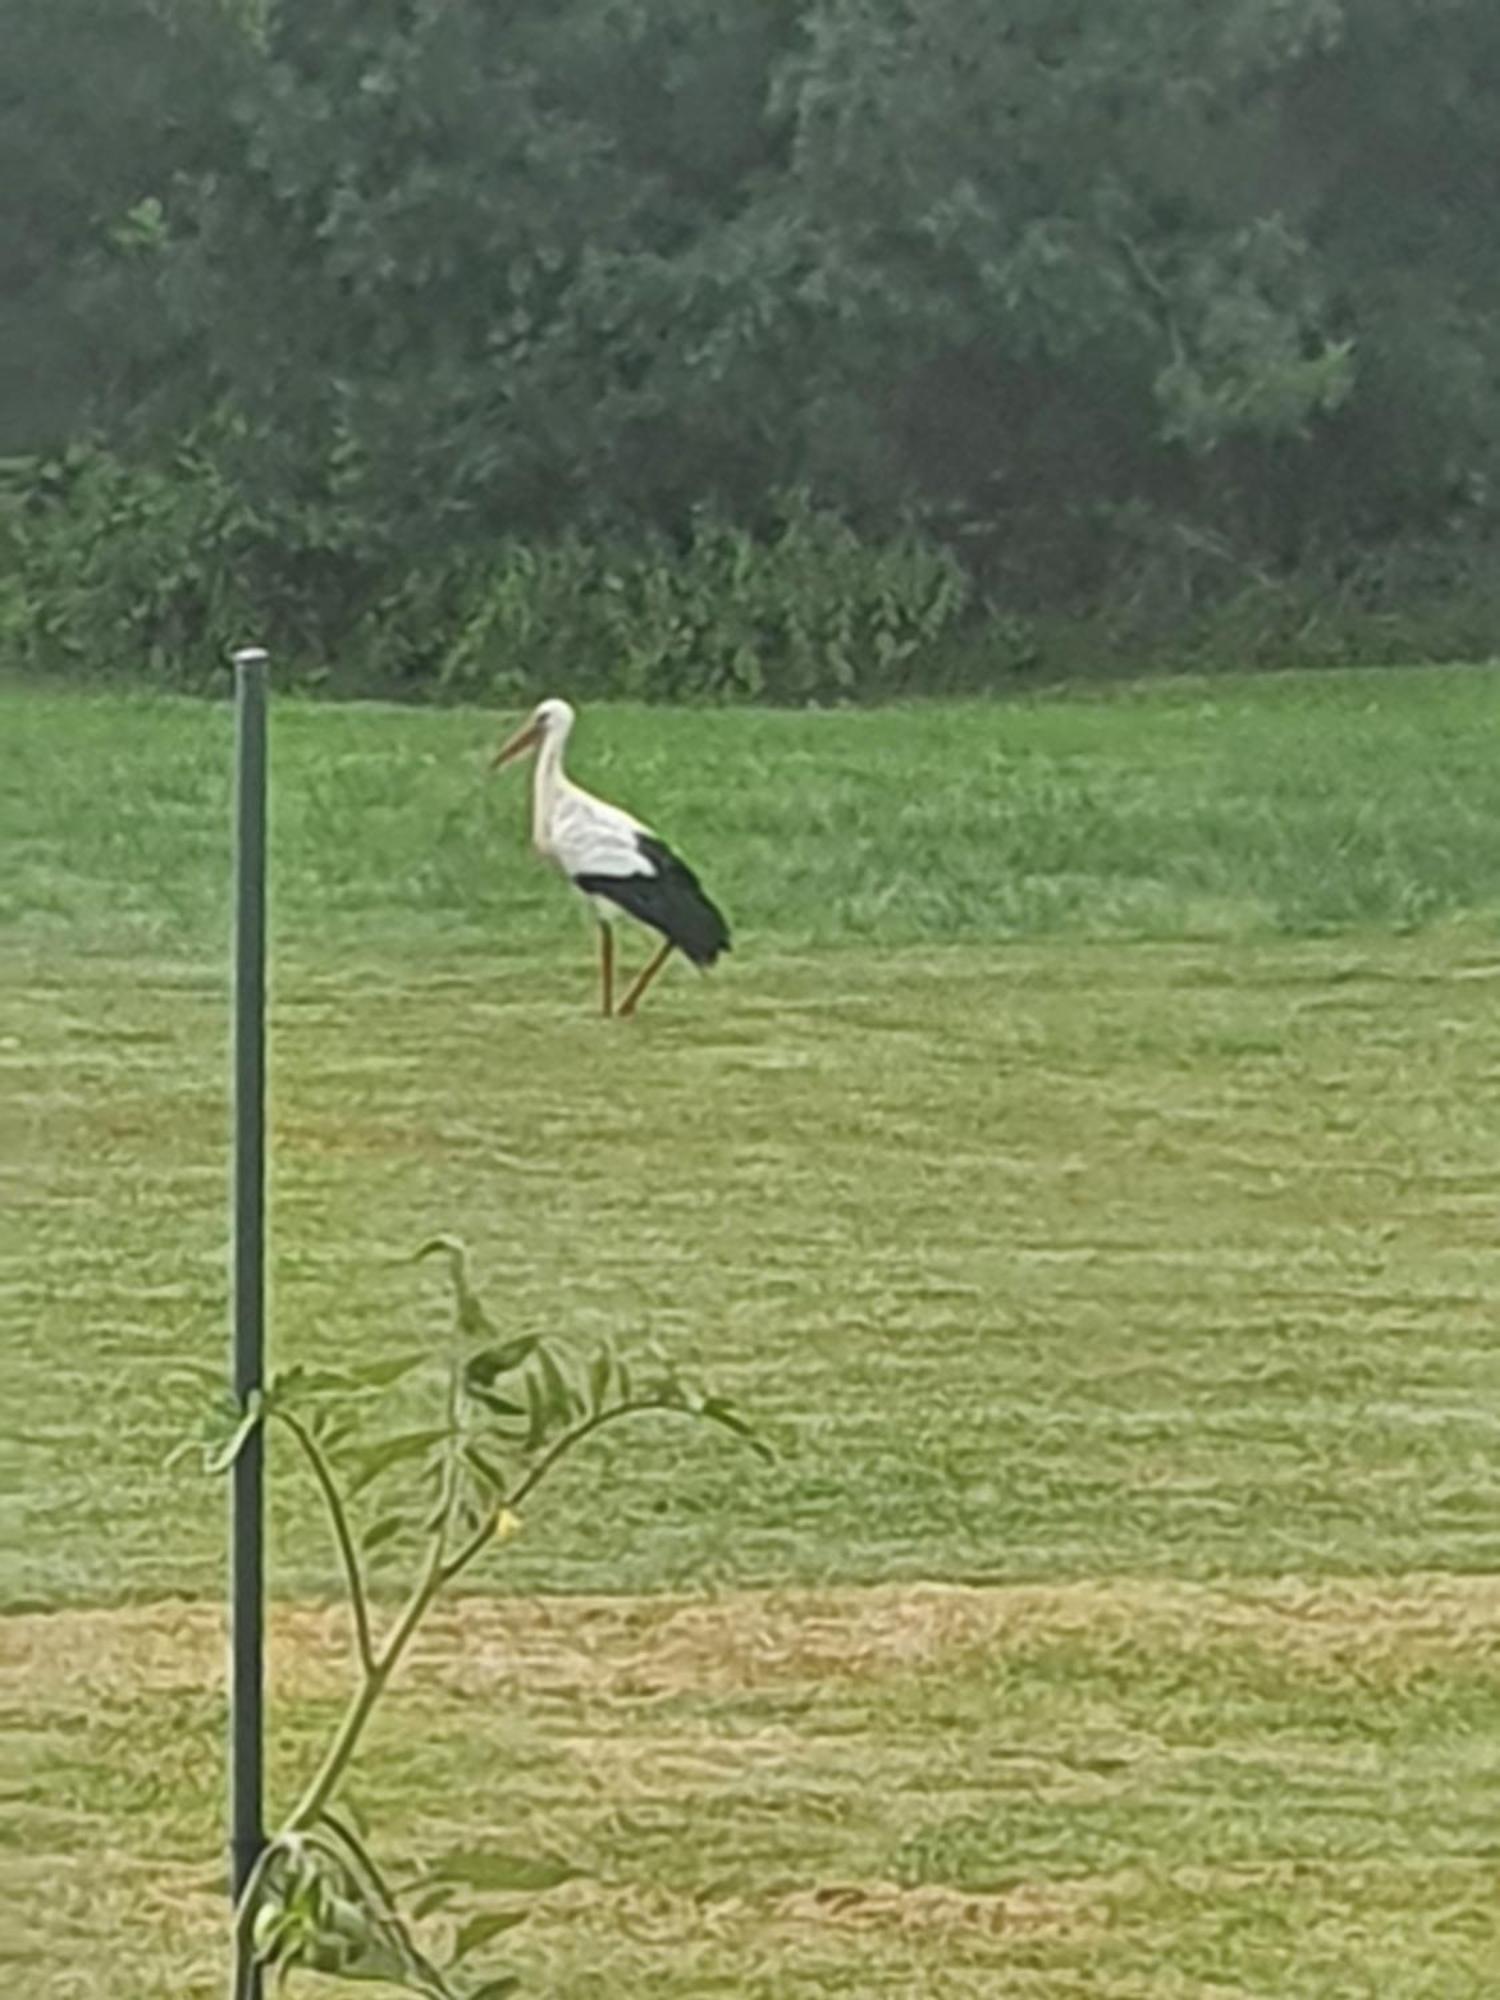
(633, 998)
(607, 969)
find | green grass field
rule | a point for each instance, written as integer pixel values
(1087, 1166)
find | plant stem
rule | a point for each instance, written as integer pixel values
(342, 1748)
(379, 1666)
(435, 1576)
(358, 1602)
(351, 1840)
(455, 1445)
(244, 1917)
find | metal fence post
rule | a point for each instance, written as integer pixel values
(247, 1501)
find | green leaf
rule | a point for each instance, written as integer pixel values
(482, 1369)
(270, 1927)
(197, 1375)
(498, 1406)
(536, 1413)
(496, 1989)
(381, 1374)
(447, 1246)
(384, 1530)
(493, 1476)
(601, 1370)
(436, 1896)
(250, 1421)
(718, 1410)
(481, 1868)
(378, 1458)
(473, 1320)
(350, 1381)
(332, 1430)
(479, 1930)
(560, 1395)
(312, 1382)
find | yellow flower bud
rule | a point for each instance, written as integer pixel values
(506, 1525)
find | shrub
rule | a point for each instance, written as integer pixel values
(109, 566)
(157, 570)
(809, 613)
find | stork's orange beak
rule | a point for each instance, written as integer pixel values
(526, 738)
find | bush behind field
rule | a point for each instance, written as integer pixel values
(154, 573)
(161, 572)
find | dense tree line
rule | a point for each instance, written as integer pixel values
(356, 318)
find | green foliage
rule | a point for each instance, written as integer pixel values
(512, 1411)
(157, 570)
(809, 613)
(408, 319)
(113, 568)
(1258, 365)
(109, 566)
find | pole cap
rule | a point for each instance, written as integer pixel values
(249, 656)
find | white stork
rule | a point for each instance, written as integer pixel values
(612, 859)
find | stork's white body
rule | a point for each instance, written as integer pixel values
(580, 834)
(612, 859)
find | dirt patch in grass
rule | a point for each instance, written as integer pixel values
(632, 1649)
(1143, 1787)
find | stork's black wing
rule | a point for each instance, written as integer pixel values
(670, 899)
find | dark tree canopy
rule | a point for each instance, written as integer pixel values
(337, 295)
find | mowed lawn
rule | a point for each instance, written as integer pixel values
(1086, 1168)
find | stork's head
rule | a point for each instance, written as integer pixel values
(550, 719)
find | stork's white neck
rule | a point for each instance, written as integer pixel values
(547, 783)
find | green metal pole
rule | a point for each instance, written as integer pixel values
(247, 1500)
